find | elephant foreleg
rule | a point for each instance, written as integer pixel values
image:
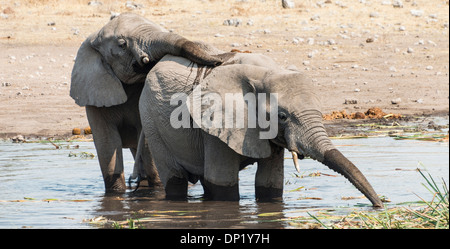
(221, 171)
(108, 144)
(269, 176)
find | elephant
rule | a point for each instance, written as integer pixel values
(190, 140)
(108, 77)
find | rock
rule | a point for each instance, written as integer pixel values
(235, 44)
(420, 101)
(374, 14)
(350, 101)
(232, 22)
(392, 69)
(51, 24)
(416, 13)
(6, 84)
(401, 28)
(396, 101)
(87, 130)
(76, 131)
(113, 15)
(95, 3)
(375, 112)
(8, 11)
(360, 115)
(315, 17)
(397, 4)
(287, 4)
(75, 31)
(369, 40)
(410, 50)
(429, 68)
(331, 42)
(132, 5)
(18, 139)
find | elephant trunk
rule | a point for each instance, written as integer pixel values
(157, 44)
(314, 141)
(339, 163)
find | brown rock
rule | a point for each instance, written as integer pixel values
(87, 130)
(360, 115)
(76, 131)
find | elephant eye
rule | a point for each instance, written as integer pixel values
(122, 43)
(282, 116)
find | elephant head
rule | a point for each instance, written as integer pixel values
(298, 119)
(124, 51)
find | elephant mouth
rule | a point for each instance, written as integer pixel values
(143, 69)
(296, 154)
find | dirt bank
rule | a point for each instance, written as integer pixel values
(360, 54)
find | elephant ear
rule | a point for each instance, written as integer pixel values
(93, 81)
(215, 93)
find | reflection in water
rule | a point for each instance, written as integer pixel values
(42, 187)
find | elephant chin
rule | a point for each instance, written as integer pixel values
(336, 161)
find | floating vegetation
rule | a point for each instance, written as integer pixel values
(150, 217)
(423, 137)
(87, 155)
(29, 199)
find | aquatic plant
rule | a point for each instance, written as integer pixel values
(432, 214)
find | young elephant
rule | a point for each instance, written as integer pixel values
(108, 77)
(184, 116)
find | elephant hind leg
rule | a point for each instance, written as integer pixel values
(114, 183)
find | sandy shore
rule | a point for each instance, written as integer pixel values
(370, 53)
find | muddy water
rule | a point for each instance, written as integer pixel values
(44, 187)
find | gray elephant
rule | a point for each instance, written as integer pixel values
(108, 77)
(191, 143)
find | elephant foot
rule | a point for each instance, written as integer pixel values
(115, 183)
(176, 189)
(220, 193)
(267, 194)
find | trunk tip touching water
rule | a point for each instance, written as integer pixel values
(336, 161)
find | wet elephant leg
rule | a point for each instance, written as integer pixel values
(148, 163)
(170, 174)
(221, 171)
(108, 144)
(269, 177)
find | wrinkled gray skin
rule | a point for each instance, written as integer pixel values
(108, 77)
(214, 156)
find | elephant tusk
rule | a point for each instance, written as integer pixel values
(145, 60)
(295, 159)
